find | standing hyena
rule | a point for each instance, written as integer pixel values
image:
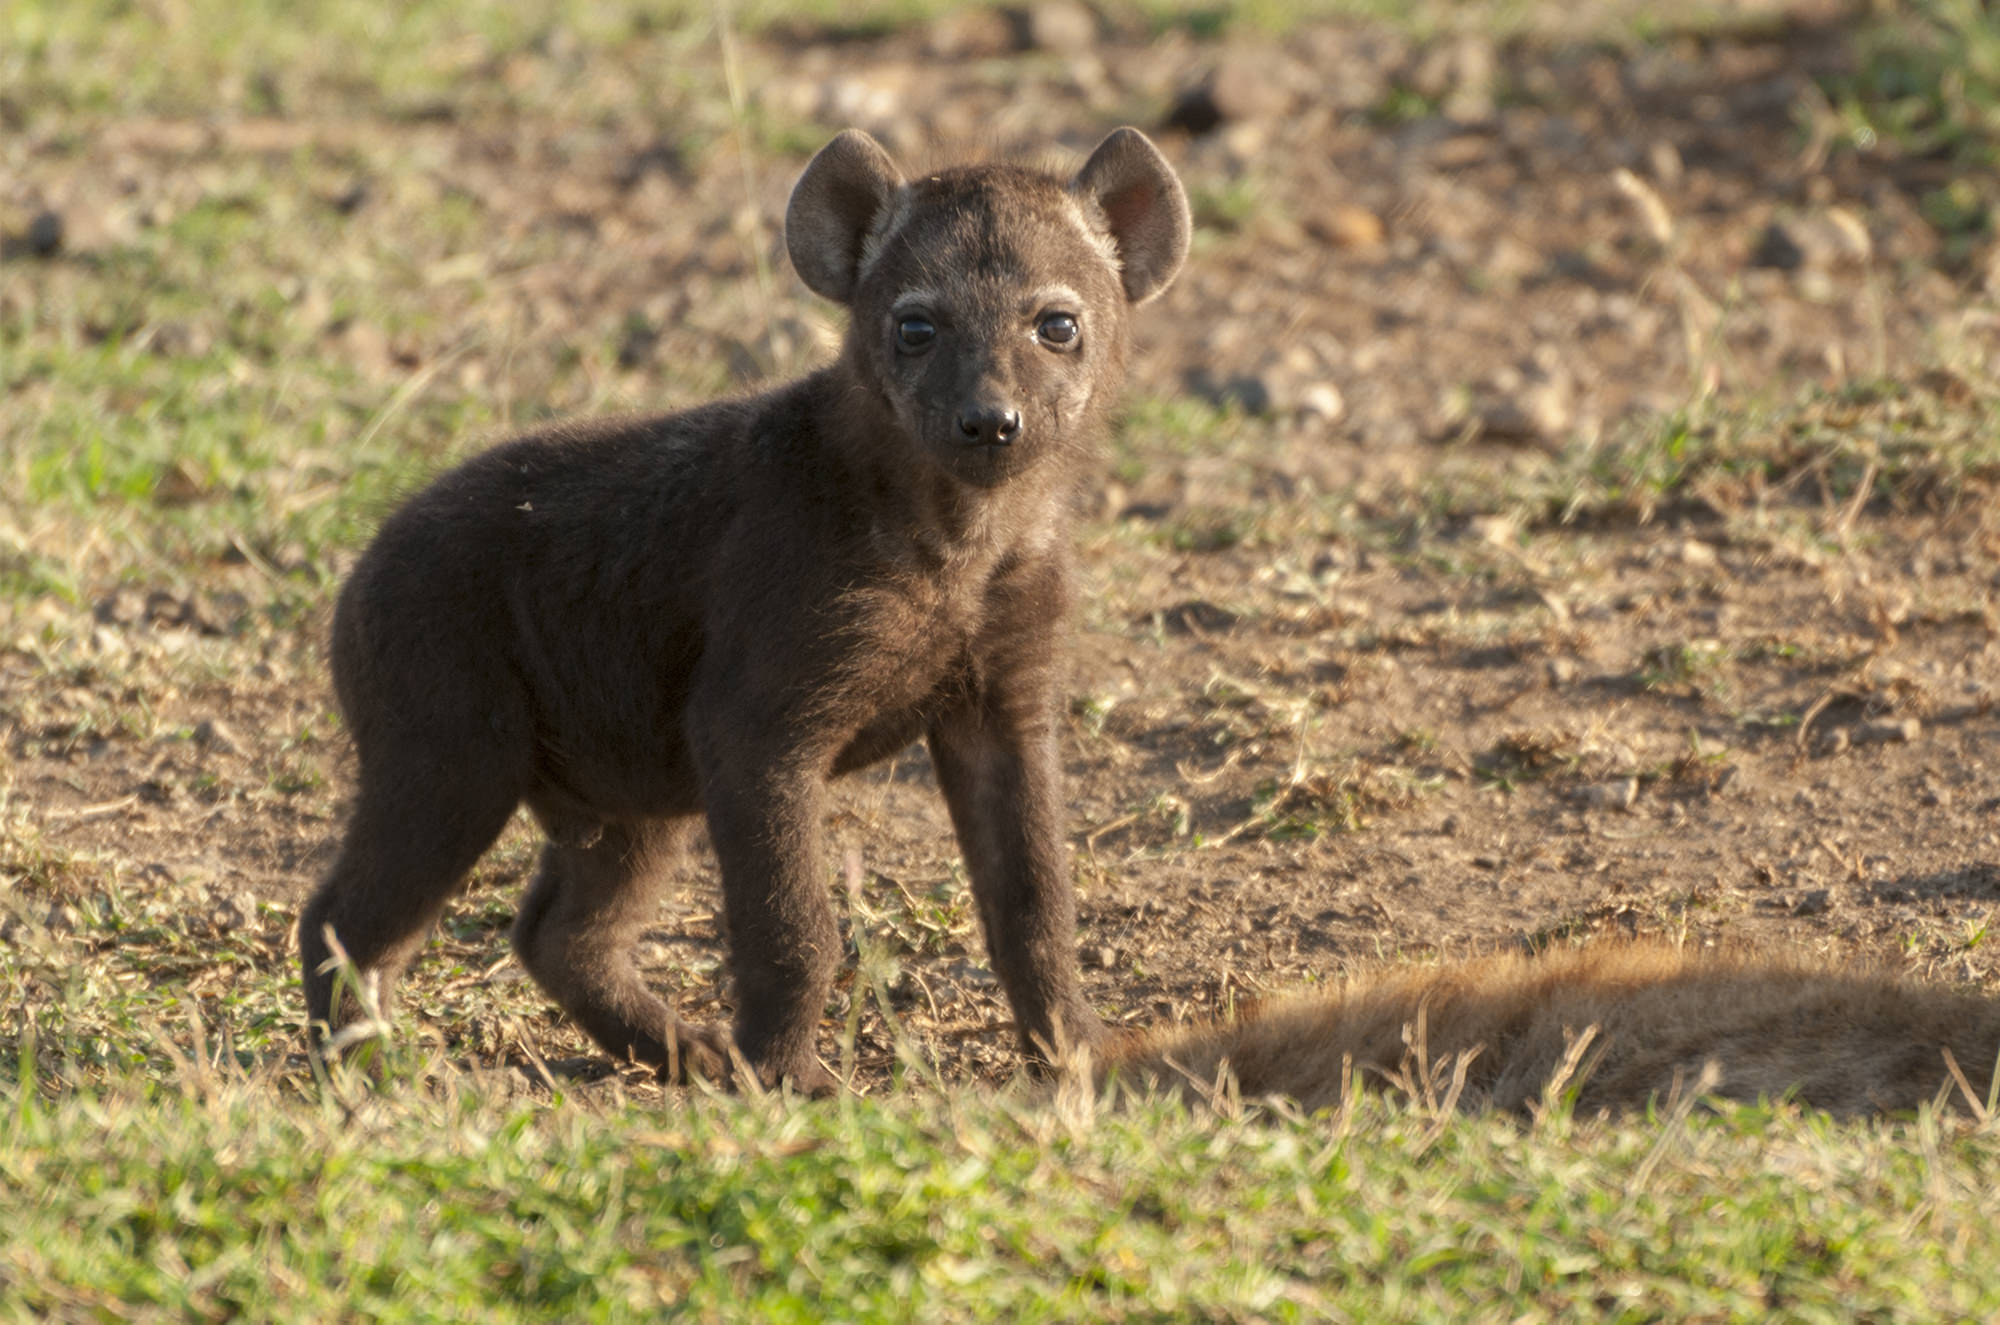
(713, 612)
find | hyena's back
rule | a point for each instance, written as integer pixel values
(1848, 1038)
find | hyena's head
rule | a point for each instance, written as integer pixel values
(989, 302)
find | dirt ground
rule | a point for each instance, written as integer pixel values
(1348, 684)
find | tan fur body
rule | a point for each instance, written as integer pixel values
(1849, 1038)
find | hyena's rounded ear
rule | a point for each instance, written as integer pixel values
(1143, 206)
(844, 189)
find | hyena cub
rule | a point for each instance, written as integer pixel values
(626, 624)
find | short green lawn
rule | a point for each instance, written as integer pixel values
(164, 1151)
(208, 1197)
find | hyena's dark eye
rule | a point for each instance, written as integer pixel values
(915, 333)
(1057, 329)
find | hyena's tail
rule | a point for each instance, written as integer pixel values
(1616, 1023)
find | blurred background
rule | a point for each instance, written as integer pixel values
(1417, 221)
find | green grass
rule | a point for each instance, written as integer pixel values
(1928, 79)
(214, 1195)
(1925, 83)
(1924, 444)
(165, 1153)
(71, 61)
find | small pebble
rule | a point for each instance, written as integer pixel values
(1617, 794)
(1321, 403)
(1902, 730)
(212, 734)
(1062, 26)
(1347, 226)
(45, 234)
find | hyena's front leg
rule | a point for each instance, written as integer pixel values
(996, 762)
(764, 819)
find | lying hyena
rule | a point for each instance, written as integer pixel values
(628, 624)
(1849, 1038)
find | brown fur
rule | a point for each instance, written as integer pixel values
(626, 624)
(1849, 1038)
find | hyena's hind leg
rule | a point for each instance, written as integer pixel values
(576, 932)
(405, 852)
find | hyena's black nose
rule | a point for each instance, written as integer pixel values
(989, 425)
